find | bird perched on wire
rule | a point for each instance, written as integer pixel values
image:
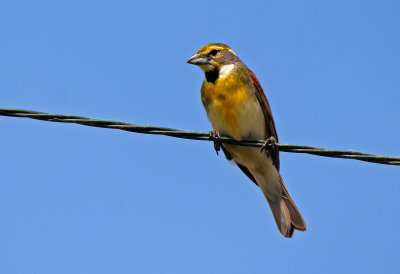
(236, 106)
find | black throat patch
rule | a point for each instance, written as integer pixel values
(212, 75)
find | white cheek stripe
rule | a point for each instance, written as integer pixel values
(225, 70)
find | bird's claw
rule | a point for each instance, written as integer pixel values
(216, 137)
(269, 145)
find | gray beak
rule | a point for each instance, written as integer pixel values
(198, 59)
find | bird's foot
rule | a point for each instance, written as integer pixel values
(269, 145)
(216, 137)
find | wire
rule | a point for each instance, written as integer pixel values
(193, 135)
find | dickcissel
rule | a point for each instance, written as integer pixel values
(237, 106)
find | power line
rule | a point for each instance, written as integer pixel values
(193, 135)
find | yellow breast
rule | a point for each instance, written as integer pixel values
(226, 103)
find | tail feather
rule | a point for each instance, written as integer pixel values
(287, 217)
(295, 215)
(282, 217)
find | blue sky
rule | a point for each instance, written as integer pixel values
(76, 199)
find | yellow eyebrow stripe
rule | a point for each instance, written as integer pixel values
(215, 46)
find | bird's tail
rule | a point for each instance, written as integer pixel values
(287, 216)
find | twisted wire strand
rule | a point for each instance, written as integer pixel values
(193, 135)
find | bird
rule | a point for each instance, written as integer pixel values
(236, 106)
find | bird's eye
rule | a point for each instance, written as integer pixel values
(213, 52)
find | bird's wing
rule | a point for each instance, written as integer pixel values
(269, 120)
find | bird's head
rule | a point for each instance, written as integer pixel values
(213, 56)
(216, 60)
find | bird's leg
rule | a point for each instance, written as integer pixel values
(269, 145)
(216, 137)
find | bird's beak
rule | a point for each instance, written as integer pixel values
(198, 59)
